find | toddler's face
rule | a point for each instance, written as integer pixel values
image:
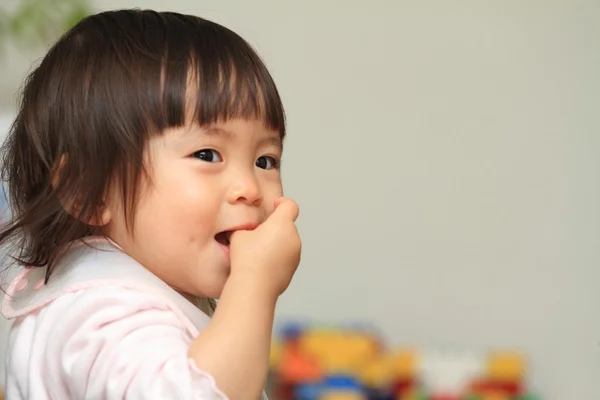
(205, 182)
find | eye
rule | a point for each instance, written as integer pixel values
(208, 155)
(267, 162)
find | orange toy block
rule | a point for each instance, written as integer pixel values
(297, 367)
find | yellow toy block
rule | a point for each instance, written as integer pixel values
(405, 363)
(506, 367)
(378, 372)
(343, 396)
(338, 352)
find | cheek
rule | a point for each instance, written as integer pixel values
(181, 200)
(272, 192)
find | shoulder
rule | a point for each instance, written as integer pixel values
(102, 320)
(94, 310)
(104, 315)
(94, 324)
(100, 276)
(105, 342)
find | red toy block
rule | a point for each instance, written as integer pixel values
(403, 386)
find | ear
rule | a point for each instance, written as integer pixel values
(72, 204)
(103, 218)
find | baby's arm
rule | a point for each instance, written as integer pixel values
(234, 347)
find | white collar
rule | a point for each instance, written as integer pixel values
(95, 262)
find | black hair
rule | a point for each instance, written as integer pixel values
(87, 111)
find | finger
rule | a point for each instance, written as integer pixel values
(286, 208)
(279, 201)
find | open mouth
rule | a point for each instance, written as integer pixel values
(223, 237)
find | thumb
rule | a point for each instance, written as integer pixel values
(286, 208)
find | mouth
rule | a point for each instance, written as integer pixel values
(223, 238)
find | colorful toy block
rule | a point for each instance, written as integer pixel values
(352, 363)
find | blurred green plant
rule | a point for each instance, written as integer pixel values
(33, 23)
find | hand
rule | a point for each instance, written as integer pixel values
(269, 255)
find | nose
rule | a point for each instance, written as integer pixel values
(246, 190)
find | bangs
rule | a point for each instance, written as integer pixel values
(167, 70)
(209, 74)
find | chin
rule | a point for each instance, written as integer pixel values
(216, 291)
(212, 288)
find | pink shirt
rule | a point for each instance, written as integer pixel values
(103, 328)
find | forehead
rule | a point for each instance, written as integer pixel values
(241, 130)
